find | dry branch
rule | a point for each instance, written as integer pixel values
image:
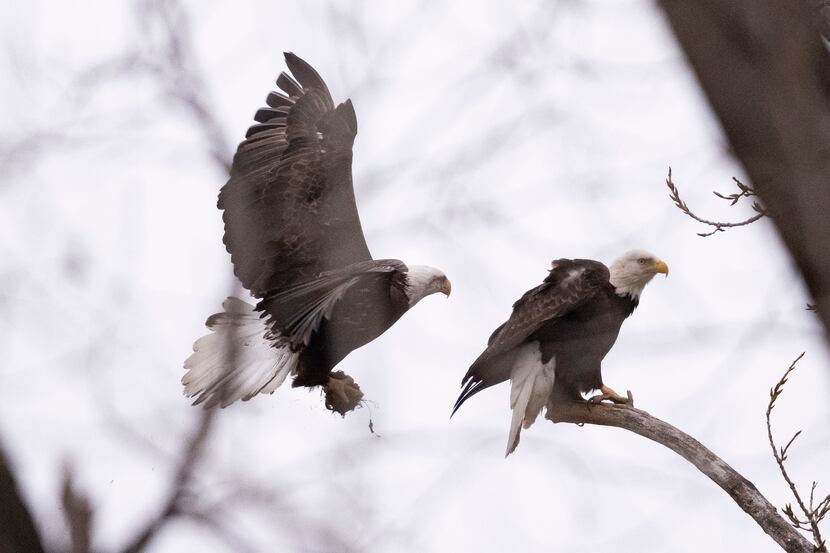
(745, 192)
(741, 490)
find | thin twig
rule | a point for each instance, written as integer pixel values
(742, 491)
(745, 191)
(811, 520)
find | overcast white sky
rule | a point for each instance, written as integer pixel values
(494, 137)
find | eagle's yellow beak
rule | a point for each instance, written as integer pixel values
(661, 267)
(446, 287)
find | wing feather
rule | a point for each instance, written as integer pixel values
(305, 74)
(278, 100)
(569, 284)
(295, 313)
(289, 206)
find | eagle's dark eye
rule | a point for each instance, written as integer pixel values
(642, 261)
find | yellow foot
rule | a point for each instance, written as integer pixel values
(610, 395)
(342, 393)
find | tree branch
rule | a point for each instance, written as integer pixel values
(77, 511)
(182, 478)
(174, 63)
(18, 531)
(741, 490)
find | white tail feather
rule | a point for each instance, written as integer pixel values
(235, 361)
(531, 383)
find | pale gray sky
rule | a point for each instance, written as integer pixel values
(493, 138)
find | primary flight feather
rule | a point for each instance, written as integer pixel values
(296, 243)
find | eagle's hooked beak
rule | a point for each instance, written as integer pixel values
(661, 267)
(446, 287)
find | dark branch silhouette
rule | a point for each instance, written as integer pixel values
(18, 532)
(741, 490)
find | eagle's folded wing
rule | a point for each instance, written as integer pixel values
(296, 312)
(569, 283)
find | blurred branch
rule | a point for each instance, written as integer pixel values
(741, 490)
(175, 65)
(216, 523)
(175, 504)
(813, 514)
(18, 533)
(78, 513)
(745, 192)
(15, 153)
(766, 73)
(165, 54)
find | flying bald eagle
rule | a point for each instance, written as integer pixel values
(294, 235)
(558, 334)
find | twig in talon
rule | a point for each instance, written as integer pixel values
(368, 404)
(630, 398)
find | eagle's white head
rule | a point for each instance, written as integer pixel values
(422, 280)
(633, 270)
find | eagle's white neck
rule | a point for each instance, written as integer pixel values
(628, 283)
(421, 281)
(633, 290)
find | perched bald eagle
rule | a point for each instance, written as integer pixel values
(294, 235)
(558, 334)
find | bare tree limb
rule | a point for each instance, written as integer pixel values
(745, 192)
(18, 532)
(765, 70)
(741, 490)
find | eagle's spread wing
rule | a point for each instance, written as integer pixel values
(569, 283)
(289, 206)
(295, 313)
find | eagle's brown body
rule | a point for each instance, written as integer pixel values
(558, 334)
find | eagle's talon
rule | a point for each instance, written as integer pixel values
(597, 399)
(342, 393)
(607, 393)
